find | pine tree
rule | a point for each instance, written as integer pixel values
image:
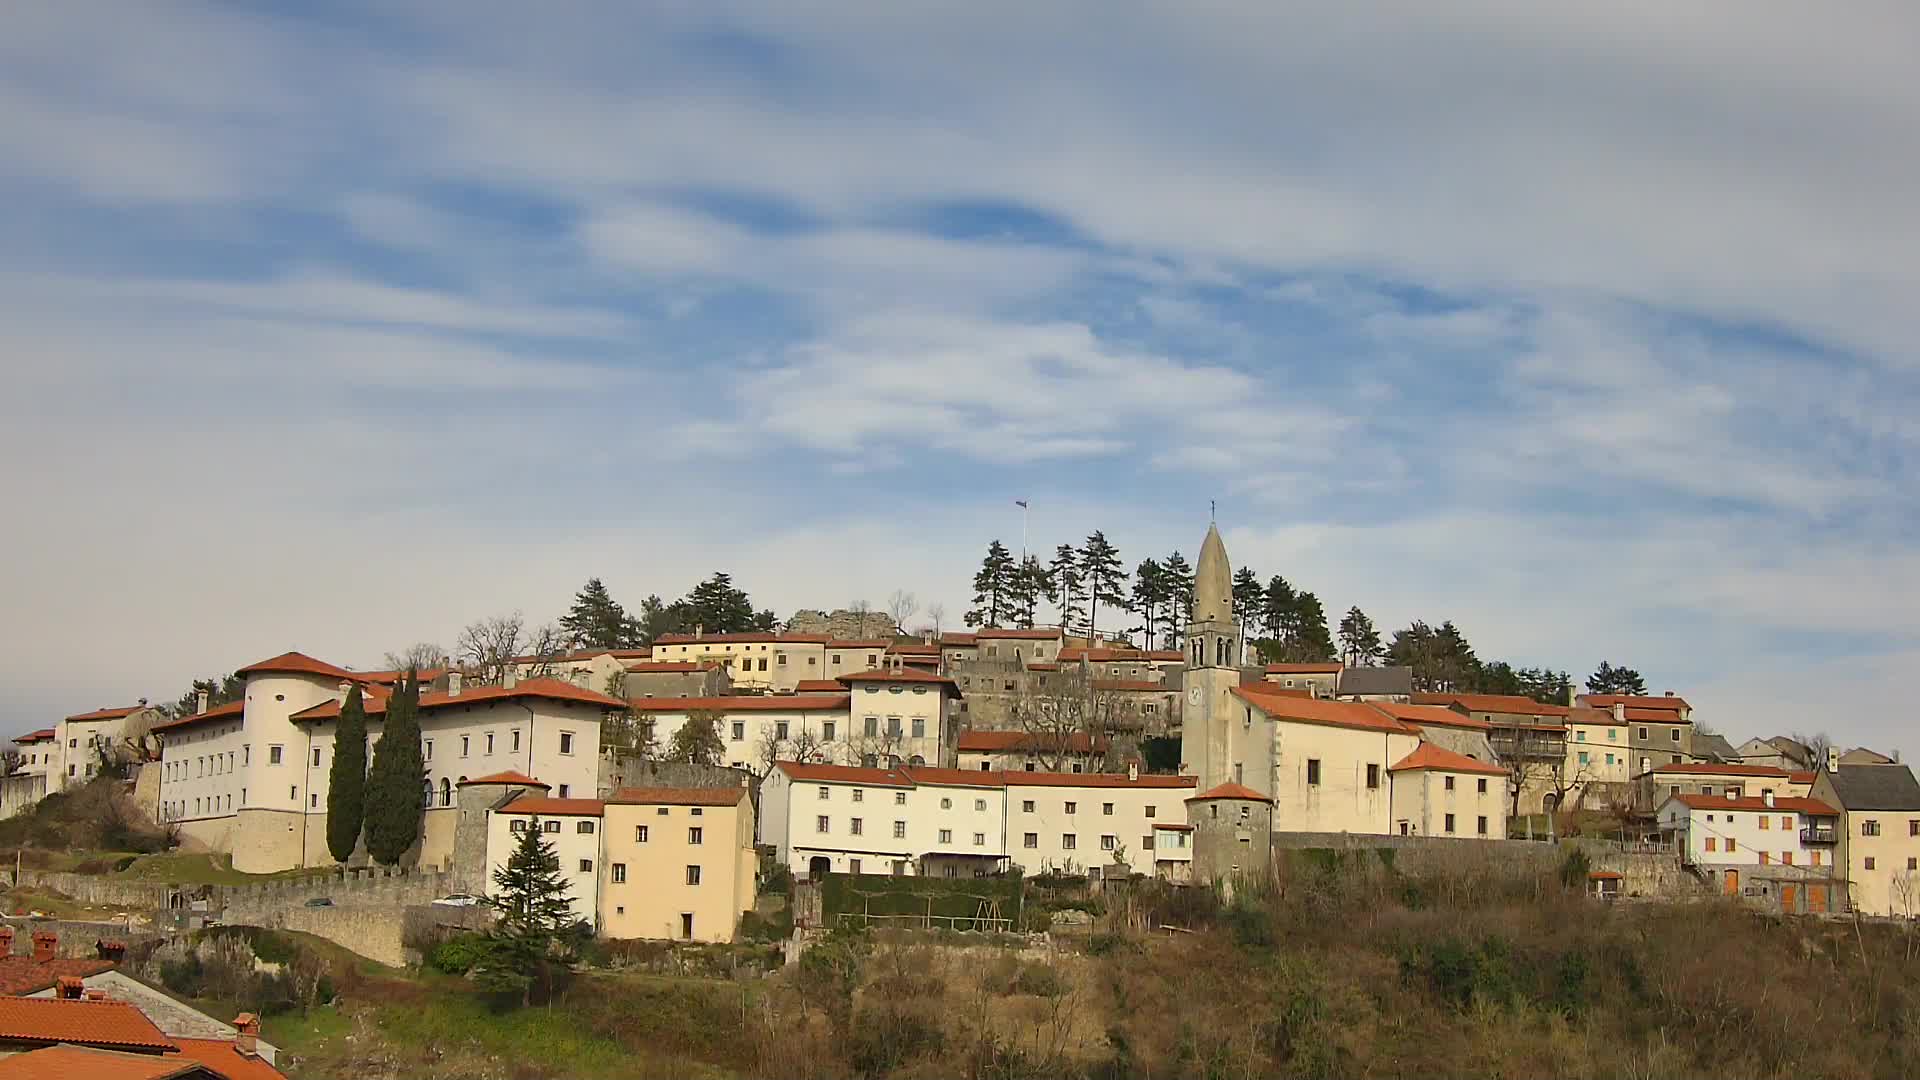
(1359, 641)
(597, 621)
(1149, 595)
(1063, 576)
(1249, 599)
(1279, 617)
(395, 782)
(347, 779)
(1311, 643)
(1615, 680)
(656, 619)
(1179, 578)
(530, 893)
(716, 607)
(698, 740)
(1100, 568)
(1030, 584)
(992, 587)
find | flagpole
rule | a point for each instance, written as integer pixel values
(1023, 531)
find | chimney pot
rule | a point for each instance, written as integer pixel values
(6, 941)
(1767, 796)
(1732, 794)
(143, 703)
(95, 994)
(510, 678)
(246, 1035)
(68, 987)
(453, 683)
(1671, 694)
(1133, 770)
(201, 701)
(45, 945)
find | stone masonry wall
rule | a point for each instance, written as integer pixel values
(105, 891)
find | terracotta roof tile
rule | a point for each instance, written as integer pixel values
(106, 714)
(295, 663)
(533, 804)
(914, 648)
(1709, 769)
(1230, 790)
(926, 774)
(664, 667)
(854, 644)
(1789, 803)
(992, 633)
(23, 975)
(550, 689)
(1654, 716)
(667, 796)
(231, 710)
(1042, 665)
(1429, 716)
(819, 686)
(1803, 777)
(1509, 704)
(88, 1023)
(509, 777)
(744, 637)
(957, 641)
(743, 703)
(1636, 701)
(905, 675)
(86, 1063)
(1440, 759)
(43, 735)
(220, 1056)
(994, 742)
(1095, 780)
(844, 774)
(1345, 714)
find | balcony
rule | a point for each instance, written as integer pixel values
(1812, 835)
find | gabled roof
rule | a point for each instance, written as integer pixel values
(743, 703)
(64, 1062)
(229, 711)
(511, 778)
(753, 636)
(1346, 714)
(1095, 780)
(956, 641)
(106, 714)
(220, 1056)
(1229, 790)
(88, 1023)
(914, 648)
(910, 776)
(23, 975)
(1708, 768)
(1507, 704)
(844, 774)
(666, 796)
(1436, 758)
(1428, 716)
(1875, 787)
(1376, 680)
(927, 774)
(819, 686)
(1654, 716)
(1804, 776)
(1305, 669)
(535, 804)
(549, 689)
(1664, 702)
(45, 734)
(295, 663)
(1789, 803)
(904, 675)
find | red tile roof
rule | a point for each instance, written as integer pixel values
(1429, 716)
(1709, 769)
(666, 796)
(533, 804)
(854, 644)
(1510, 704)
(914, 648)
(1284, 691)
(1073, 654)
(43, 735)
(664, 667)
(927, 774)
(1654, 716)
(229, 711)
(1345, 714)
(23, 975)
(750, 636)
(85, 1063)
(106, 714)
(819, 686)
(906, 774)
(1018, 635)
(388, 678)
(550, 689)
(509, 777)
(1042, 665)
(1440, 759)
(994, 742)
(844, 774)
(959, 641)
(88, 1023)
(1637, 701)
(1305, 669)
(1094, 780)
(220, 1056)
(295, 663)
(743, 703)
(1806, 777)
(1176, 828)
(1792, 803)
(1230, 790)
(905, 675)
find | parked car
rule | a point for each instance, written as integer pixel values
(320, 901)
(458, 899)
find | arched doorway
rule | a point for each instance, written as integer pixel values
(1549, 803)
(818, 867)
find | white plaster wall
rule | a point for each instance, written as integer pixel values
(569, 843)
(1341, 802)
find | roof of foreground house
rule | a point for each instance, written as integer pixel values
(87, 1022)
(66, 1062)
(1430, 756)
(1347, 714)
(106, 714)
(23, 975)
(904, 675)
(1795, 803)
(1663, 702)
(220, 1056)
(1504, 704)
(43, 735)
(538, 804)
(1711, 768)
(1229, 790)
(1875, 787)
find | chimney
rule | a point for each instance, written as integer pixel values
(1833, 760)
(1619, 713)
(1133, 770)
(143, 703)
(6, 941)
(110, 950)
(1671, 694)
(68, 987)
(1732, 795)
(94, 994)
(202, 702)
(510, 676)
(1767, 797)
(246, 1035)
(453, 683)
(700, 630)
(340, 692)
(45, 944)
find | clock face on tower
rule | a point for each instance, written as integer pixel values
(1193, 696)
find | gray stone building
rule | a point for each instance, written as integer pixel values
(1232, 835)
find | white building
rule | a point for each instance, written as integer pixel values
(752, 724)
(956, 822)
(1726, 832)
(1437, 792)
(573, 826)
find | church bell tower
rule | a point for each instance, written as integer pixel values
(1214, 650)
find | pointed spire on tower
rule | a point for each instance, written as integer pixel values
(1213, 581)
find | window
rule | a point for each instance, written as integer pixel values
(292, 792)
(1030, 840)
(1108, 843)
(1912, 863)
(1815, 855)
(466, 743)
(859, 794)
(1674, 734)
(273, 755)
(820, 823)
(1106, 809)
(1580, 737)
(1482, 823)
(515, 739)
(1583, 757)
(563, 790)
(872, 726)
(1867, 862)
(566, 742)
(1913, 827)
(919, 727)
(618, 874)
(1026, 806)
(1067, 841)
(313, 802)
(693, 878)
(853, 866)
(695, 834)
(1765, 821)
(1766, 858)
(893, 725)
(584, 828)
(1449, 823)
(946, 804)
(1729, 843)
(489, 744)
(946, 836)
(550, 826)
(899, 798)
(1786, 858)
(780, 730)
(1072, 807)
(1609, 759)
(899, 830)
(979, 805)
(1313, 770)
(739, 730)
(779, 659)
(979, 839)
(246, 754)
(1373, 776)
(1869, 828)
(316, 757)
(661, 812)
(822, 793)
(586, 866)
(639, 834)
(1643, 733)
(857, 826)
(763, 663)
(1151, 810)
(826, 731)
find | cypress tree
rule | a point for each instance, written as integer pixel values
(347, 780)
(393, 800)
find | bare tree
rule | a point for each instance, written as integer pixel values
(880, 749)
(901, 606)
(1819, 745)
(937, 613)
(862, 611)
(487, 646)
(804, 746)
(546, 645)
(10, 762)
(1063, 712)
(626, 733)
(421, 655)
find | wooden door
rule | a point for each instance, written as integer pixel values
(1733, 883)
(1787, 898)
(1817, 899)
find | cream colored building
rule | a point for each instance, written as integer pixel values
(1324, 763)
(28, 786)
(1321, 680)
(770, 662)
(679, 864)
(1598, 749)
(750, 725)
(573, 827)
(1878, 842)
(1437, 792)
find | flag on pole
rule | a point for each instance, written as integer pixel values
(1021, 503)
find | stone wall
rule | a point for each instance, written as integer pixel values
(111, 892)
(380, 888)
(372, 932)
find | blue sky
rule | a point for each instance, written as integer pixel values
(1592, 330)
